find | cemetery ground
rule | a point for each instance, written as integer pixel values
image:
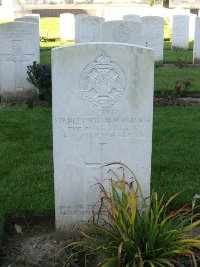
(26, 185)
(26, 165)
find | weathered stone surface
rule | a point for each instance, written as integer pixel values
(102, 113)
(122, 32)
(33, 18)
(153, 35)
(90, 29)
(196, 50)
(78, 27)
(180, 32)
(19, 48)
(132, 17)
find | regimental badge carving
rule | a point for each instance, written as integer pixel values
(121, 34)
(103, 81)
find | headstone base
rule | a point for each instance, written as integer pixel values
(20, 96)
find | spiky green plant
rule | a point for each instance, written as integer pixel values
(135, 232)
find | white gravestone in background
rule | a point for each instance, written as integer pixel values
(78, 26)
(192, 19)
(132, 17)
(102, 113)
(196, 50)
(67, 27)
(153, 35)
(36, 20)
(90, 29)
(180, 32)
(19, 48)
(122, 32)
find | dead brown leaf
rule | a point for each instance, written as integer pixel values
(18, 229)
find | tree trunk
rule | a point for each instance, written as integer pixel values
(166, 3)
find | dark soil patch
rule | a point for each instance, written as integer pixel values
(181, 101)
(159, 100)
(35, 245)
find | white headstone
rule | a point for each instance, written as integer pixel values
(67, 26)
(153, 35)
(122, 32)
(180, 32)
(192, 25)
(102, 113)
(196, 50)
(132, 17)
(78, 27)
(90, 29)
(178, 11)
(36, 20)
(19, 48)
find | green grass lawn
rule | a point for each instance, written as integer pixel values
(26, 171)
(176, 152)
(26, 176)
(50, 27)
(166, 78)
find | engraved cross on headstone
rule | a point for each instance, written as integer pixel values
(18, 54)
(101, 162)
(17, 58)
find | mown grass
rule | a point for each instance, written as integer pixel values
(179, 56)
(26, 166)
(170, 56)
(176, 152)
(50, 27)
(167, 78)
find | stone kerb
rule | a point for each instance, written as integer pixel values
(122, 31)
(102, 113)
(153, 35)
(19, 48)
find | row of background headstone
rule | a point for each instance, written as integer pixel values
(26, 49)
(147, 31)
